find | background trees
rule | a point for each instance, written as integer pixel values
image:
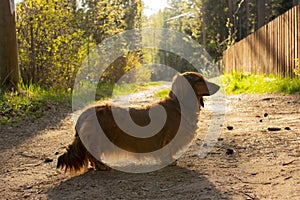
(218, 24)
(50, 43)
(55, 36)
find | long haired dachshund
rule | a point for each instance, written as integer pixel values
(78, 157)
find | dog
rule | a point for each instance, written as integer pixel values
(179, 106)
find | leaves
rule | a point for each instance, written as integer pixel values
(55, 37)
(15, 106)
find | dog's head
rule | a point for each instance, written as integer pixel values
(200, 86)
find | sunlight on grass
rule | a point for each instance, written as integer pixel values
(236, 83)
(28, 102)
(162, 93)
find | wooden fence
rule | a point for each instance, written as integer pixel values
(272, 49)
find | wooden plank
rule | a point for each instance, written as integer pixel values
(298, 34)
(271, 48)
(266, 50)
(288, 44)
(292, 42)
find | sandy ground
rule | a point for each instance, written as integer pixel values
(248, 161)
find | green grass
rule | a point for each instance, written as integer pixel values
(162, 93)
(237, 83)
(27, 103)
(30, 100)
(104, 90)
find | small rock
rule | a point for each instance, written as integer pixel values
(26, 195)
(229, 152)
(230, 128)
(27, 187)
(267, 99)
(274, 129)
(190, 165)
(287, 128)
(266, 115)
(48, 160)
(220, 139)
(260, 120)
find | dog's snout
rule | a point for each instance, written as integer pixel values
(211, 88)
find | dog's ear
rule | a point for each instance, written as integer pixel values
(184, 92)
(206, 88)
(180, 86)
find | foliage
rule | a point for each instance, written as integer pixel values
(55, 37)
(30, 102)
(217, 25)
(236, 83)
(297, 67)
(101, 19)
(50, 46)
(129, 65)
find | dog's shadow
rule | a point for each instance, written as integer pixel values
(171, 182)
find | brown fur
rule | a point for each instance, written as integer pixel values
(77, 156)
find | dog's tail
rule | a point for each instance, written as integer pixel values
(76, 157)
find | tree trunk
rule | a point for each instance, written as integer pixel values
(261, 13)
(247, 17)
(230, 11)
(9, 70)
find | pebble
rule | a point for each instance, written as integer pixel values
(229, 152)
(274, 129)
(48, 160)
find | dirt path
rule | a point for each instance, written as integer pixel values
(248, 162)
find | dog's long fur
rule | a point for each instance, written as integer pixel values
(77, 156)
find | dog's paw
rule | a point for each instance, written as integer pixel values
(173, 163)
(100, 166)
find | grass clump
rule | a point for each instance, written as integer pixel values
(236, 83)
(28, 102)
(162, 93)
